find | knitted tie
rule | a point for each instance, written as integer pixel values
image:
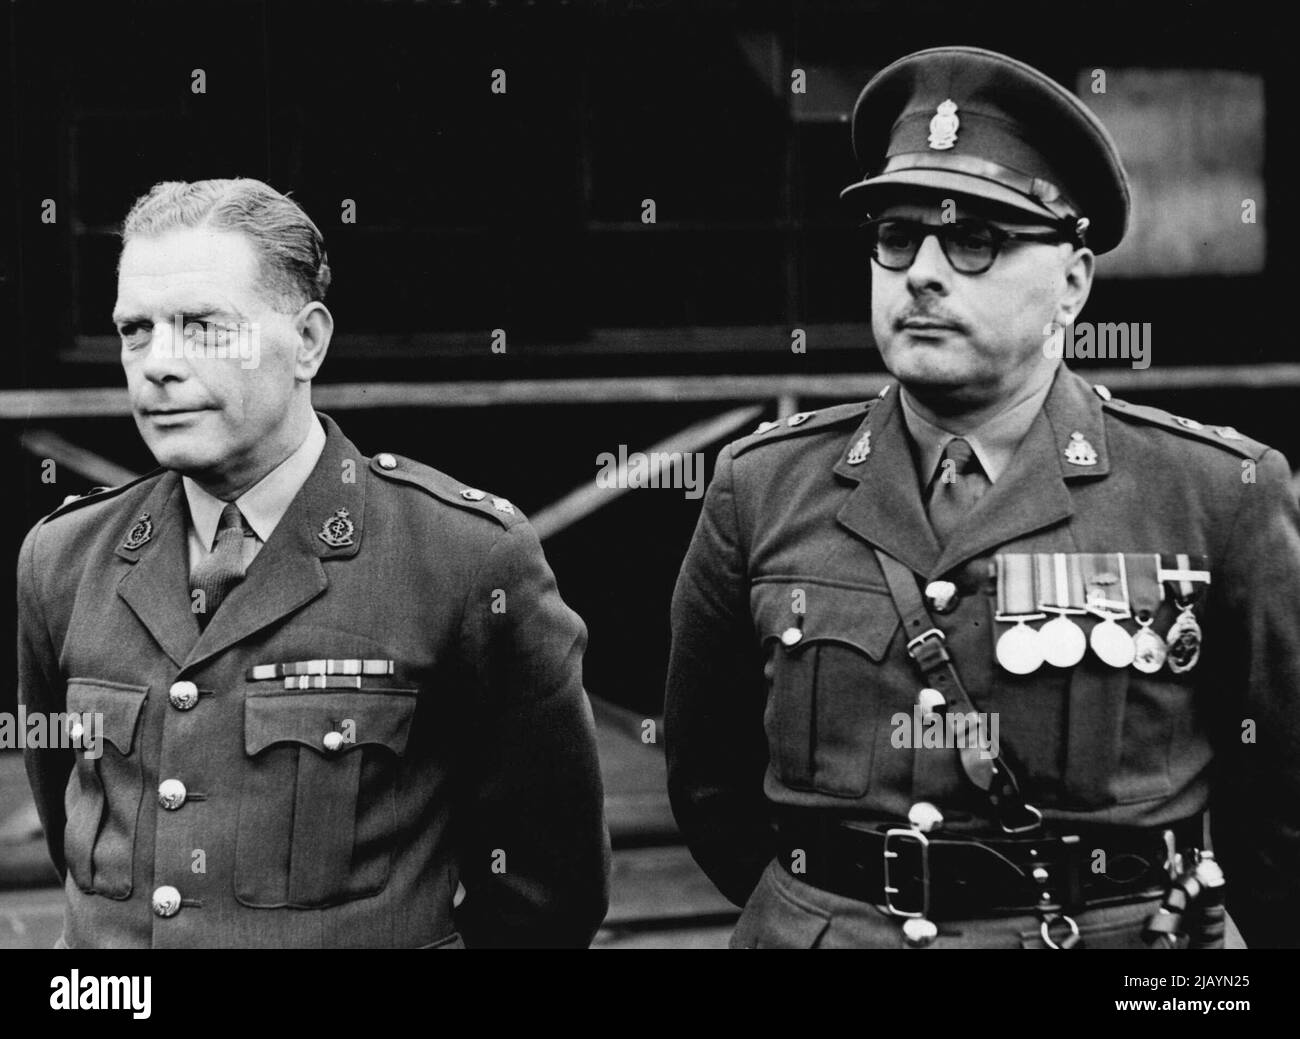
(959, 482)
(223, 567)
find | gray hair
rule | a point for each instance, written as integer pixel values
(291, 250)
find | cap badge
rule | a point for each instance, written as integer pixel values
(139, 534)
(858, 453)
(1079, 451)
(943, 127)
(337, 530)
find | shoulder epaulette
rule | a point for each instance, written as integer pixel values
(802, 423)
(1224, 437)
(444, 488)
(98, 494)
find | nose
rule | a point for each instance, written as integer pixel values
(930, 270)
(165, 359)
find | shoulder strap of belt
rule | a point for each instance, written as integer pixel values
(926, 646)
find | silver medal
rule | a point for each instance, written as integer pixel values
(1020, 650)
(1149, 650)
(1063, 642)
(1112, 644)
(1184, 640)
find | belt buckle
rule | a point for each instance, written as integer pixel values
(929, 633)
(923, 842)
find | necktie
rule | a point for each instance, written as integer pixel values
(958, 483)
(223, 567)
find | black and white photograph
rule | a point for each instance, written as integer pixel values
(642, 474)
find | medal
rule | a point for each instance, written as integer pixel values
(1183, 640)
(1149, 650)
(1107, 597)
(1112, 643)
(1145, 596)
(1019, 649)
(1062, 640)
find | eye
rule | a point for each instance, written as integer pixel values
(895, 235)
(134, 334)
(974, 238)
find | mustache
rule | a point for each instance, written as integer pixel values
(925, 313)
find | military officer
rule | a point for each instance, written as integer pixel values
(339, 698)
(967, 664)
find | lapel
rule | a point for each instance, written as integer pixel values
(287, 573)
(155, 587)
(886, 508)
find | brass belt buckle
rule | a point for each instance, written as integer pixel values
(923, 842)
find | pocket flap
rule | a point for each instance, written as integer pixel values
(861, 617)
(117, 704)
(380, 717)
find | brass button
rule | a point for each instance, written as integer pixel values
(171, 794)
(919, 933)
(386, 461)
(791, 637)
(472, 494)
(75, 732)
(930, 700)
(166, 901)
(183, 695)
(924, 816)
(333, 741)
(941, 595)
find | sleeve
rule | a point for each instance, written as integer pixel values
(534, 845)
(1254, 695)
(41, 688)
(713, 714)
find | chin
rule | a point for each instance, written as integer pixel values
(180, 452)
(926, 366)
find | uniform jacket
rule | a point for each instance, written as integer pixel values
(753, 725)
(474, 762)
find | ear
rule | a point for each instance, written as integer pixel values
(315, 326)
(1078, 271)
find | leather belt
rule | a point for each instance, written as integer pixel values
(959, 877)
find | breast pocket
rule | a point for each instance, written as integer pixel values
(318, 811)
(106, 787)
(828, 705)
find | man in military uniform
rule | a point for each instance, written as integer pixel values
(340, 697)
(1014, 636)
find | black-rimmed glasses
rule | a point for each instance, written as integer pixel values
(971, 246)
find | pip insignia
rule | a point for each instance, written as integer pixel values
(140, 533)
(337, 530)
(501, 505)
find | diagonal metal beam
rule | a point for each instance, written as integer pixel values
(45, 443)
(586, 499)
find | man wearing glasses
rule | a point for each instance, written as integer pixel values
(967, 665)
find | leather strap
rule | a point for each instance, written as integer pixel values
(926, 646)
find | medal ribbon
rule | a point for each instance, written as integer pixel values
(1144, 589)
(1016, 586)
(1060, 582)
(1104, 577)
(1185, 582)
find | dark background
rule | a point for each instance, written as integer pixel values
(522, 211)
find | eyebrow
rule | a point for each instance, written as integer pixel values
(194, 310)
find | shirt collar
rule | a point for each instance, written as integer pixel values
(265, 503)
(994, 442)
